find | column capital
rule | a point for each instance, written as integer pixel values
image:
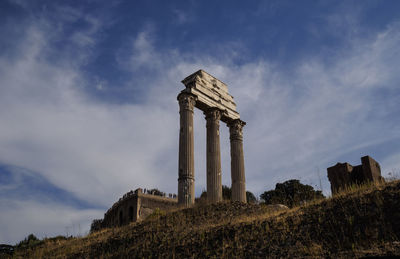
(236, 129)
(213, 115)
(187, 101)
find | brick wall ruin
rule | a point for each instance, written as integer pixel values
(135, 206)
(343, 175)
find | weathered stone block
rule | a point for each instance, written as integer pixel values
(211, 93)
(343, 175)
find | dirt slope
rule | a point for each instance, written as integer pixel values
(361, 223)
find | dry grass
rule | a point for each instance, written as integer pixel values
(360, 221)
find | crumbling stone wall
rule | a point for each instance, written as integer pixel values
(134, 206)
(343, 175)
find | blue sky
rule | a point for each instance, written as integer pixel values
(88, 92)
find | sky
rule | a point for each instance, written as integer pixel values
(88, 89)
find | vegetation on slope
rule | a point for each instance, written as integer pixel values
(291, 193)
(361, 222)
(227, 194)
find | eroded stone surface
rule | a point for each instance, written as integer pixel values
(186, 192)
(214, 174)
(135, 206)
(343, 175)
(210, 95)
(211, 92)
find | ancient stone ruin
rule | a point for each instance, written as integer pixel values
(136, 205)
(343, 175)
(210, 95)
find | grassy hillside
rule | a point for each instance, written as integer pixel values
(361, 222)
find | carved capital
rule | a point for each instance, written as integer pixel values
(236, 129)
(186, 101)
(213, 115)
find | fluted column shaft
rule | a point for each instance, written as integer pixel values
(214, 181)
(237, 160)
(186, 193)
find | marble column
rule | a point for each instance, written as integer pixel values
(186, 150)
(214, 182)
(237, 160)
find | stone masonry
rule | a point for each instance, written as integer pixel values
(210, 95)
(343, 175)
(135, 206)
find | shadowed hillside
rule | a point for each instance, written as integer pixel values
(359, 223)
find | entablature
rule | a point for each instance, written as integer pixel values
(211, 93)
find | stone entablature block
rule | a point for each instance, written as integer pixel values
(211, 92)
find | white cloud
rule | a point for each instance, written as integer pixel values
(307, 119)
(94, 150)
(143, 53)
(182, 16)
(42, 219)
(303, 119)
(297, 120)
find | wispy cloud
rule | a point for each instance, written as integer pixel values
(181, 16)
(43, 219)
(328, 107)
(308, 117)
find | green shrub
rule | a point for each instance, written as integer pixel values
(156, 214)
(291, 193)
(227, 194)
(29, 242)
